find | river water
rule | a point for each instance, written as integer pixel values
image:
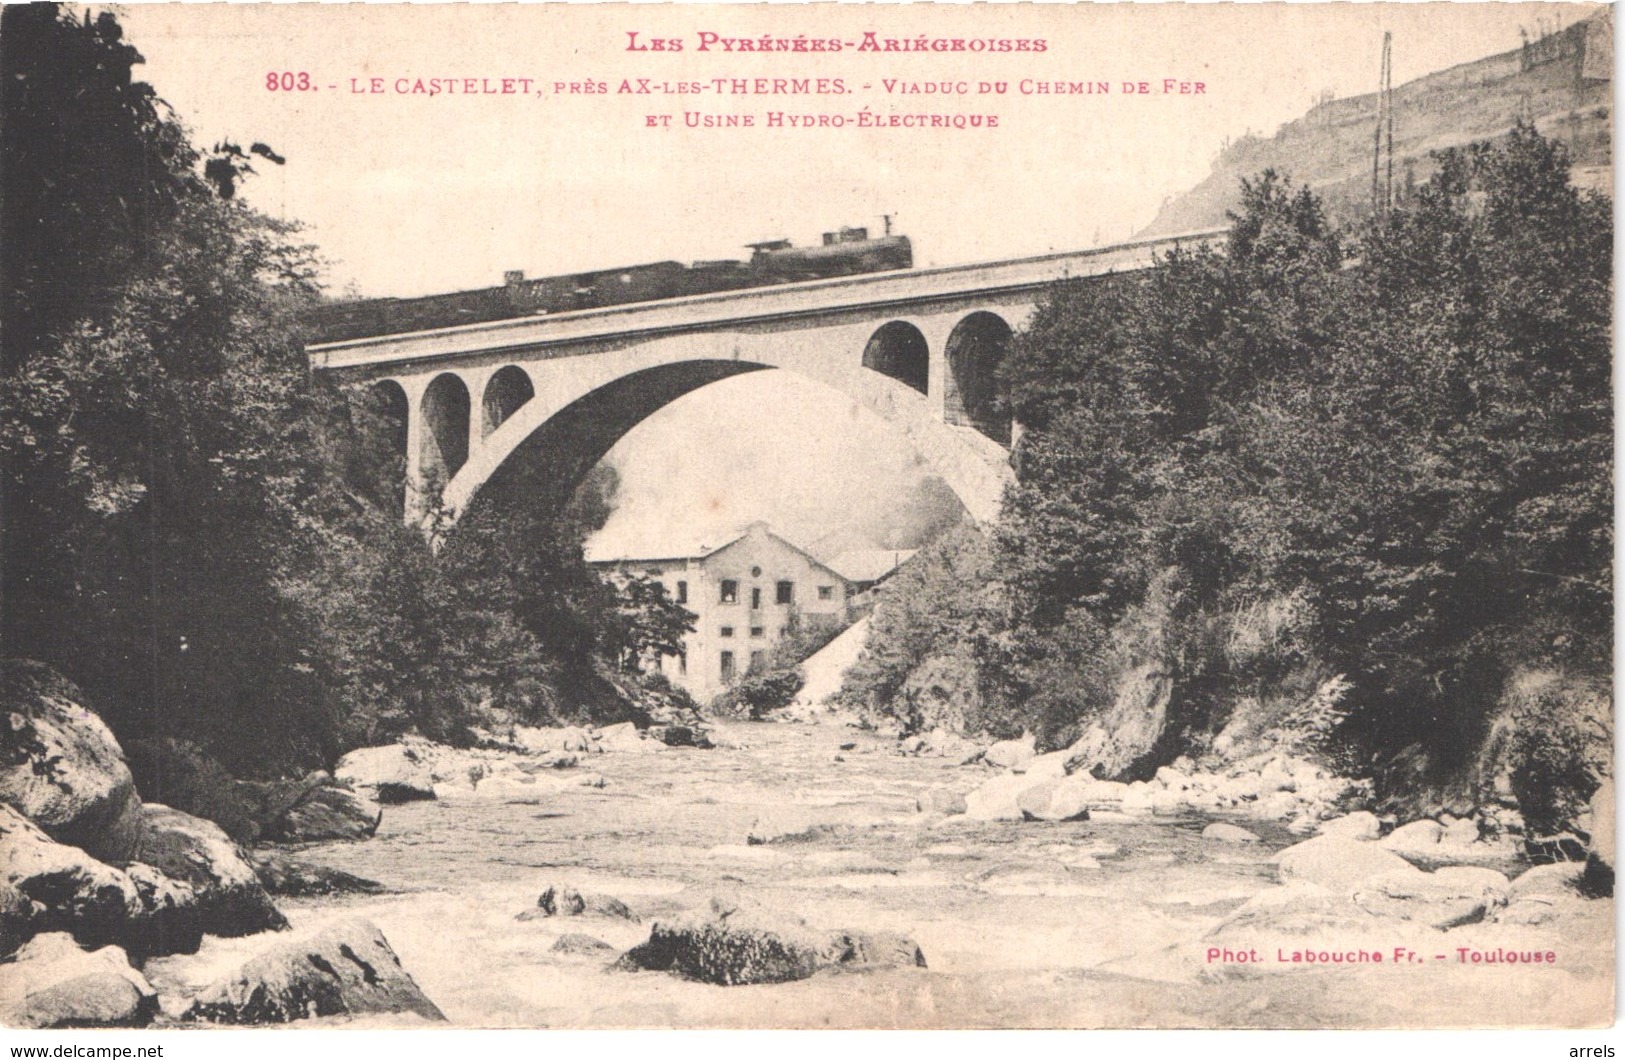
(1089, 924)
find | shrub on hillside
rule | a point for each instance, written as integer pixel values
(758, 694)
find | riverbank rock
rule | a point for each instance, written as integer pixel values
(566, 740)
(1055, 800)
(1444, 899)
(1338, 865)
(730, 944)
(1361, 825)
(281, 874)
(392, 773)
(60, 766)
(1449, 841)
(54, 984)
(998, 799)
(1599, 870)
(52, 887)
(1543, 894)
(1008, 754)
(347, 969)
(1560, 878)
(230, 899)
(625, 739)
(325, 813)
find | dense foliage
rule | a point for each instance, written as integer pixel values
(200, 533)
(1385, 451)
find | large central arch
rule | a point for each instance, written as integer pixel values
(547, 465)
(543, 447)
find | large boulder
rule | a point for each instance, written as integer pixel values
(1339, 865)
(326, 813)
(49, 886)
(731, 944)
(55, 984)
(347, 969)
(230, 898)
(61, 767)
(390, 774)
(1444, 899)
(60, 888)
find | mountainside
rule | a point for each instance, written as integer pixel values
(1562, 82)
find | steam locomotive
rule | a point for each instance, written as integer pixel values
(846, 252)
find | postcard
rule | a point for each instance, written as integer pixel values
(806, 516)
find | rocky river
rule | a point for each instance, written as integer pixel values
(1120, 920)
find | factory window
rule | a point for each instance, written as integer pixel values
(730, 591)
(682, 663)
(826, 592)
(758, 631)
(682, 592)
(727, 631)
(786, 592)
(727, 666)
(758, 659)
(756, 598)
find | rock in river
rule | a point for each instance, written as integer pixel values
(1339, 865)
(348, 969)
(575, 944)
(281, 874)
(734, 945)
(1228, 833)
(567, 901)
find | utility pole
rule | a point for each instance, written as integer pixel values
(1382, 189)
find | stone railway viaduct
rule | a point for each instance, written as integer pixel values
(531, 404)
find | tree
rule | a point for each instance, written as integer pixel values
(1408, 426)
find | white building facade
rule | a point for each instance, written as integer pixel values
(746, 595)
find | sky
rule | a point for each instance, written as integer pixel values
(408, 193)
